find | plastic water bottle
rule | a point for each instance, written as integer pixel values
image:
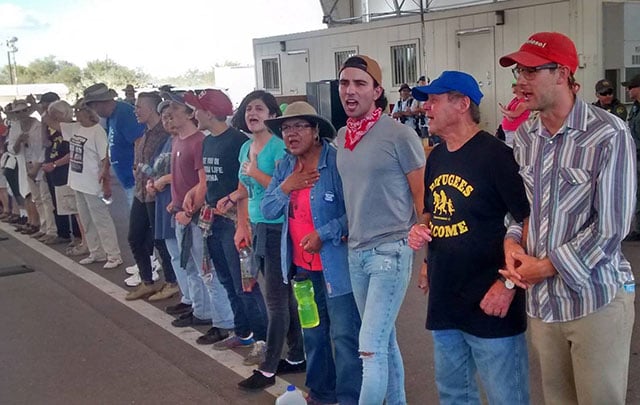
(307, 307)
(292, 396)
(247, 267)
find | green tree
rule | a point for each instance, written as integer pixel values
(112, 74)
(192, 78)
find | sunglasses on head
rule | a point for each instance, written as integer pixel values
(606, 93)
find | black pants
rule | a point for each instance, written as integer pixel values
(14, 184)
(141, 241)
(64, 223)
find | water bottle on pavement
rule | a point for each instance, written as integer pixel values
(247, 267)
(292, 396)
(307, 307)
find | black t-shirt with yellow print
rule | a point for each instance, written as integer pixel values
(468, 192)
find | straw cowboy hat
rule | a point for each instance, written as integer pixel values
(99, 92)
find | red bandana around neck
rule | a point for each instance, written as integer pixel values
(356, 129)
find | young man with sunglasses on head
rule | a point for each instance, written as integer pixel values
(608, 101)
(579, 169)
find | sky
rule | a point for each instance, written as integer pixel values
(161, 37)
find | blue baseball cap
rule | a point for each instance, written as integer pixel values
(450, 80)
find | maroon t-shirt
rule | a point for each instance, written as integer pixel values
(186, 160)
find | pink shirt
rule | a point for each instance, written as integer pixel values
(300, 225)
(512, 125)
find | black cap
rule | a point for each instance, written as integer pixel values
(49, 97)
(634, 82)
(404, 86)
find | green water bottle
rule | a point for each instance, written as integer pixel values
(307, 307)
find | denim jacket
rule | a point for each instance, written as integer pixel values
(329, 218)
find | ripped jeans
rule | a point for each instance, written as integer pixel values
(379, 278)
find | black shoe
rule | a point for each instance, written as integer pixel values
(213, 335)
(284, 367)
(189, 319)
(257, 381)
(178, 309)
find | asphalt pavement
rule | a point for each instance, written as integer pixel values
(67, 336)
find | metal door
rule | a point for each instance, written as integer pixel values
(476, 56)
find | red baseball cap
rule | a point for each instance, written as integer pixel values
(542, 48)
(212, 100)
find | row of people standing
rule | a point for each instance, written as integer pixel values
(217, 184)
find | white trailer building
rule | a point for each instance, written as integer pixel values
(414, 37)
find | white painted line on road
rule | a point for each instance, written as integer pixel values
(227, 358)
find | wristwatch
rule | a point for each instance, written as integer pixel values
(507, 283)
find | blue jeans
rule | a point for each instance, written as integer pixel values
(209, 298)
(340, 381)
(249, 309)
(502, 363)
(379, 278)
(181, 274)
(129, 193)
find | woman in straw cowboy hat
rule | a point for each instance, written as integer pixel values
(307, 188)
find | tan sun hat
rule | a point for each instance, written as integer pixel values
(99, 92)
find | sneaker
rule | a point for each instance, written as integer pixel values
(189, 319)
(257, 381)
(74, 242)
(30, 230)
(212, 336)
(78, 250)
(311, 401)
(39, 235)
(178, 309)
(55, 240)
(112, 263)
(135, 279)
(168, 290)
(132, 269)
(92, 259)
(284, 367)
(257, 354)
(232, 342)
(143, 291)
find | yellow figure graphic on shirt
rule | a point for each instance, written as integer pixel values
(442, 205)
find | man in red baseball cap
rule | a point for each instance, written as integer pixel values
(578, 163)
(220, 152)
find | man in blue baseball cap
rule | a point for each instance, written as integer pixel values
(471, 182)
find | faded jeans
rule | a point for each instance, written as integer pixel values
(502, 364)
(181, 274)
(208, 296)
(379, 278)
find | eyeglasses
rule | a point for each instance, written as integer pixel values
(606, 93)
(529, 72)
(295, 127)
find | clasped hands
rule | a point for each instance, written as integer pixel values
(524, 270)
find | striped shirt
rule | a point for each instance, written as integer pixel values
(581, 184)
